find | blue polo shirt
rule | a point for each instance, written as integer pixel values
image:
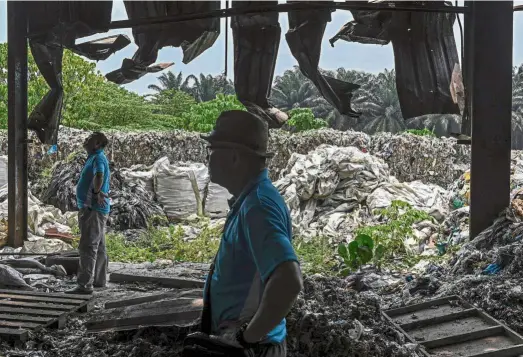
(96, 163)
(256, 239)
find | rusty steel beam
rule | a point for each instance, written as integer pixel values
(489, 80)
(356, 5)
(17, 122)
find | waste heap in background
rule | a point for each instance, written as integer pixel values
(334, 190)
(142, 193)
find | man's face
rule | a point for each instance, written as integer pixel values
(91, 144)
(221, 164)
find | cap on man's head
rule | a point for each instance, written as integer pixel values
(240, 129)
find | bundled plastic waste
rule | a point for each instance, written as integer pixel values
(132, 204)
(411, 157)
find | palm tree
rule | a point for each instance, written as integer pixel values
(168, 81)
(294, 90)
(379, 104)
(207, 87)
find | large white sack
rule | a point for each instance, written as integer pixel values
(216, 201)
(180, 187)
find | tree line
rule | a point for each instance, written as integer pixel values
(193, 102)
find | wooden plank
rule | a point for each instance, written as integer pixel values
(43, 294)
(179, 283)
(440, 319)
(473, 335)
(513, 334)
(42, 306)
(151, 298)
(20, 324)
(25, 318)
(421, 306)
(15, 334)
(15, 297)
(150, 320)
(36, 312)
(511, 351)
(411, 340)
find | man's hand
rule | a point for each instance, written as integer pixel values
(100, 198)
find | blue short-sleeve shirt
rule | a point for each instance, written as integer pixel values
(96, 163)
(256, 239)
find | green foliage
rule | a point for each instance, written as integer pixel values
(202, 117)
(302, 119)
(422, 132)
(383, 242)
(172, 102)
(164, 243)
(357, 253)
(316, 255)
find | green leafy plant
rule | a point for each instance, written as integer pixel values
(382, 242)
(302, 119)
(357, 253)
(421, 132)
(202, 117)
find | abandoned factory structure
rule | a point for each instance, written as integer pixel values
(421, 34)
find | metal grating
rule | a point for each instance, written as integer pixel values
(24, 311)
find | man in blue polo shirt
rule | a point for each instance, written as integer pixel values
(93, 202)
(256, 276)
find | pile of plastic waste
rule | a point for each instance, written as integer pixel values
(333, 190)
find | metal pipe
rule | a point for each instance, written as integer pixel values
(17, 122)
(235, 11)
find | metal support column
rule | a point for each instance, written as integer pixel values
(17, 122)
(489, 80)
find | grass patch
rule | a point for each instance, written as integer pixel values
(316, 255)
(164, 243)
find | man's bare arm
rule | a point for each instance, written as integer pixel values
(98, 182)
(282, 289)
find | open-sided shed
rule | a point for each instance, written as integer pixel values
(51, 26)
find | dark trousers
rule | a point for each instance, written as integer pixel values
(93, 255)
(279, 350)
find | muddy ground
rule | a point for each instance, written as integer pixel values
(329, 317)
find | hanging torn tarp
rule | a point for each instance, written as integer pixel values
(306, 30)
(256, 43)
(53, 26)
(194, 37)
(425, 54)
(368, 27)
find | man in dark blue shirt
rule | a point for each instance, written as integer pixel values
(256, 276)
(93, 202)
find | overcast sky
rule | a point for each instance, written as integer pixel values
(371, 58)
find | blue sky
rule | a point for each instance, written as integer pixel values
(371, 58)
